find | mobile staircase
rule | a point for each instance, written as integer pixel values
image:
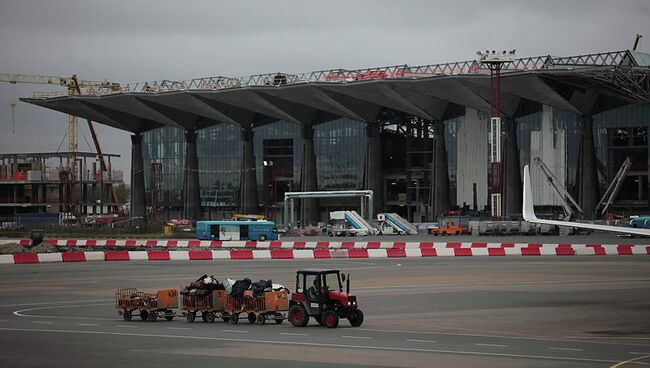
(400, 224)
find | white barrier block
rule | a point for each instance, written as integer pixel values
(303, 254)
(286, 245)
(138, 256)
(310, 245)
(10, 241)
(6, 259)
(382, 245)
(220, 254)
(413, 245)
(261, 254)
(182, 244)
(335, 245)
(443, 251)
(377, 253)
(582, 250)
(494, 245)
(548, 249)
(94, 256)
(480, 252)
(516, 250)
(639, 249)
(413, 252)
(206, 243)
(263, 245)
(233, 244)
(50, 257)
(611, 249)
(179, 255)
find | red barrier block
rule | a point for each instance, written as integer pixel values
(216, 243)
(200, 255)
(172, 243)
(399, 245)
(194, 243)
(281, 254)
(116, 256)
(48, 241)
(241, 254)
(275, 245)
(322, 253)
(26, 258)
(298, 245)
(110, 243)
(369, 245)
(428, 252)
(496, 252)
(624, 250)
(73, 257)
(250, 244)
(151, 243)
(530, 251)
(426, 245)
(479, 245)
(564, 250)
(396, 253)
(25, 242)
(155, 255)
(130, 243)
(91, 242)
(463, 252)
(70, 243)
(322, 245)
(599, 250)
(357, 253)
(647, 250)
(349, 245)
(507, 245)
(454, 245)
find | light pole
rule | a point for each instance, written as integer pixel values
(495, 61)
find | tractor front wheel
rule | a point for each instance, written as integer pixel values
(298, 316)
(330, 319)
(355, 317)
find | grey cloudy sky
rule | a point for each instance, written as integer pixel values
(137, 40)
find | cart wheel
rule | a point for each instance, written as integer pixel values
(261, 319)
(330, 319)
(153, 316)
(209, 317)
(204, 316)
(234, 318)
(279, 318)
(355, 317)
(251, 317)
(144, 315)
(190, 317)
(126, 315)
(169, 318)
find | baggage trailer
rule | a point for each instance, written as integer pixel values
(149, 305)
(211, 305)
(273, 305)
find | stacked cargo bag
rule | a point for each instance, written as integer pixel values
(240, 286)
(262, 286)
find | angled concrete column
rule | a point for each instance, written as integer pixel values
(138, 202)
(192, 193)
(512, 185)
(374, 170)
(439, 172)
(310, 213)
(588, 177)
(248, 189)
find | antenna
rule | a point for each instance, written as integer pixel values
(636, 41)
(13, 119)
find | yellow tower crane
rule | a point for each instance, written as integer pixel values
(74, 87)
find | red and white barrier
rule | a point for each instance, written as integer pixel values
(398, 250)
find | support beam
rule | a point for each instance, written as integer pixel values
(512, 176)
(374, 170)
(138, 202)
(248, 189)
(439, 172)
(310, 212)
(192, 193)
(588, 179)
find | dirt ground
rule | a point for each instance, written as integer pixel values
(12, 248)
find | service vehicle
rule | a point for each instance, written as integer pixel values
(319, 294)
(452, 228)
(236, 230)
(150, 306)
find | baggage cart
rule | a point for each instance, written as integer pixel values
(211, 305)
(272, 305)
(150, 306)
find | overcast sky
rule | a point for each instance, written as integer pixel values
(133, 40)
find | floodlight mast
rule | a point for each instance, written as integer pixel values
(495, 61)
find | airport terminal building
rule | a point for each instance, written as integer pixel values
(418, 137)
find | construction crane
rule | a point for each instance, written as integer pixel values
(614, 187)
(74, 87)
(571, 208)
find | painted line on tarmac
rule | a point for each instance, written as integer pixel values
(565, 349)
(178, 328)
(42, 322)
(634, 360)
(50, 303)
(492, 345)
(639, 353)
(3, 320)
(356, 337)
(425, 341)
(125, 326)
(89, 324)
(293, 334)
(235, 331)
(326, 345)
(21, 312)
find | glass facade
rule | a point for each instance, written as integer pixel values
(340, 148)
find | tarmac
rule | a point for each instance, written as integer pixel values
(579, 311)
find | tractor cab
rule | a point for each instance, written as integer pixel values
(319, 294)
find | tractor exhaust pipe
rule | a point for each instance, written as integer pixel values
(347, 284)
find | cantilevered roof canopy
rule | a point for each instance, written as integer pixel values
(613, 79)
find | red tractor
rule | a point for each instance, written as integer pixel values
(319, 294)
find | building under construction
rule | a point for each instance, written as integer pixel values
(57, 182)
(420, 137)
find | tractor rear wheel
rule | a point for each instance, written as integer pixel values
(330, 319)
(355, 317)
(298, 316)
(143, 315)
